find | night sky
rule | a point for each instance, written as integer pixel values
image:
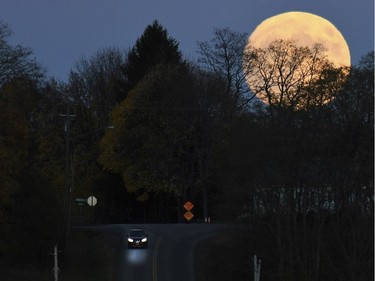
(62, 31)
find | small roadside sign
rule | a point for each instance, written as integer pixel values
(188, 215)
(92, 201)
(188, 206)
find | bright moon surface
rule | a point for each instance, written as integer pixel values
(308, 29)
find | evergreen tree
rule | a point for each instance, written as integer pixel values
(154, 47)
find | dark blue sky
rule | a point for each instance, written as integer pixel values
(62, 31)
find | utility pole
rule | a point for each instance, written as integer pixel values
(205, 202)
(68, 182)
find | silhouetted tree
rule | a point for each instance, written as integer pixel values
(154, 47)
(163, 133)
(30, 189)
(307, 182)
(223, 55)
(93, 85)
(16, 61)
(286, 76)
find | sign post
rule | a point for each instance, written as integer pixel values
(92, 201)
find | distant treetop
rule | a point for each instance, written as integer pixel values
(154, 47)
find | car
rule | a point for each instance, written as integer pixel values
(137, 238)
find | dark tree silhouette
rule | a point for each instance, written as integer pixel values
(154, 47)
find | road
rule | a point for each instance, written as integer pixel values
(169, 256)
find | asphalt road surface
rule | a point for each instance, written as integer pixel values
(169, 256)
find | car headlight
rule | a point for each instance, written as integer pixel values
(130, 240)
(144, 239)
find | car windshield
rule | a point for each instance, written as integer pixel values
(137, 233)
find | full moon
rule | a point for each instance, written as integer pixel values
(307, 29)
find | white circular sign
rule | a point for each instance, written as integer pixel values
(92, 201)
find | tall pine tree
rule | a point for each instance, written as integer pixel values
(154, 47)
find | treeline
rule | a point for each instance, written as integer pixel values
(143, 130)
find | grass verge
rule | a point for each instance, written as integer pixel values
(92, 256)
(222, 258)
